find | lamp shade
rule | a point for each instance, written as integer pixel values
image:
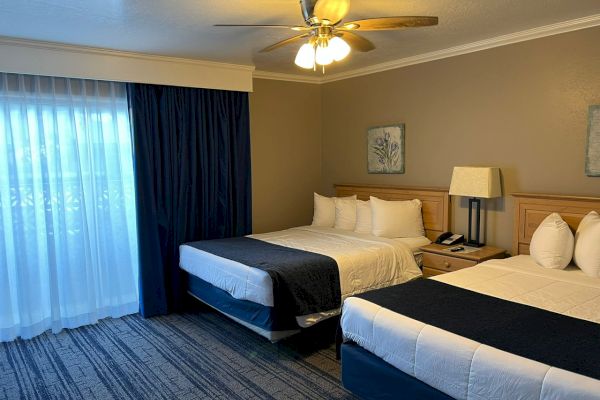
(323, 55)
(481, 182)
(306, 56)
(339, 48)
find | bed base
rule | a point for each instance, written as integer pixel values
(369, 377)
(260, 319)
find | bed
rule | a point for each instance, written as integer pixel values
(416, 340)
(276, 308)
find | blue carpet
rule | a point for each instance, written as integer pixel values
(195, 355)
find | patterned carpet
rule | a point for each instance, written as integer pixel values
(195, 355)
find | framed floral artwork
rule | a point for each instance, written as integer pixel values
(385, 149)
(592, 151)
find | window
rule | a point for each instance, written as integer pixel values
(68, 240)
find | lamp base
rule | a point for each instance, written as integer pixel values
(474, 207)
(474, 244)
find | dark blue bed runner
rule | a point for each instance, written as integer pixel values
(303, 282)
(550, 338)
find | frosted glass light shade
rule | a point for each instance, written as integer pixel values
(339, 48)
(324, 55)
(483, 182)
(305, 57)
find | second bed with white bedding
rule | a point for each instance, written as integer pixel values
(466, 369)
(365, 262)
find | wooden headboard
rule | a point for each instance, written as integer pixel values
(531, 209)
(435, 202)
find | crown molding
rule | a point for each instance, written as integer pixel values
(35, 50)
(277, 76)
(503, 40)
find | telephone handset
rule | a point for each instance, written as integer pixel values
(449, 239)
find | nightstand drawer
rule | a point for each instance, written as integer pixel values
(429, 272)
(446, 263)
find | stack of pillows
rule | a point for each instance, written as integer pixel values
(554, 246)
(389, 219)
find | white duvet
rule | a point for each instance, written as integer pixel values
(466, 369)
(365, 262)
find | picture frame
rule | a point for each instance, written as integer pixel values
(385, 149)
(592, 148)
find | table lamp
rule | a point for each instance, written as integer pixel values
(475, 183)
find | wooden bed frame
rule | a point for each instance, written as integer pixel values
(531, 209)
(435, 208)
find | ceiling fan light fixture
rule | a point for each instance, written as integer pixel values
(339, 48)
(306, 56)
(324, 28)
(323, 55)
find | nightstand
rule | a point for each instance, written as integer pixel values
(437, 260)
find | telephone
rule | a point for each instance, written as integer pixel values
(449, 239)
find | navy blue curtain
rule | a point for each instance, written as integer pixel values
(192, 171)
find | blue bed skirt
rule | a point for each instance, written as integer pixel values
(369, 377)
(252, 313)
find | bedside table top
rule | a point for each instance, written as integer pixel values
(482, 254)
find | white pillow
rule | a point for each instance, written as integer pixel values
(345, 213)
(552, 243)
(393, 219)
(363, 217)
(324, 214)
(587, 245)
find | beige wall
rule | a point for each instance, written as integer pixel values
(285, 126)
(521, 107)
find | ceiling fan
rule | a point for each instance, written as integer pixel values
(328, 39)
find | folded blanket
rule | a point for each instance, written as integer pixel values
(303, 282)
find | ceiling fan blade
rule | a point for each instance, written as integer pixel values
(284, 42)
(332, 10)
(357, 42)
(387, 23)
(308, 10)
(293, 27)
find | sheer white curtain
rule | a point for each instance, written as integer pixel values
(68, 242)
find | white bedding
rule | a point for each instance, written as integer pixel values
(466, 369)
(365, 262)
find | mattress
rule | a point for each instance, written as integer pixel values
(465, 369)
(365, 262)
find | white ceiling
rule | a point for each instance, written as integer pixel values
(183, 28)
